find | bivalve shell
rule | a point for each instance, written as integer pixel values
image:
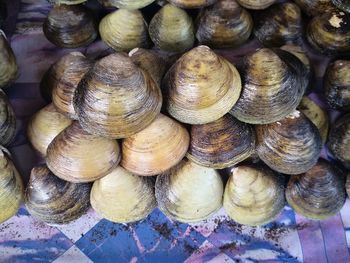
(190, 4)
(7, 120)
(8, 64)
(256, 4)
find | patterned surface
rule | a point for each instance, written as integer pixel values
(291, 238)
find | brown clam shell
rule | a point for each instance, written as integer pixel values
(315, 7)
(7, 120)
(190, 4)
(201, 87)
(155, 149)
(116, 98)
(222, 143)
(224, 24)
(53, 200)
(291, 145)
(126, 4)
(317, 194)
(70, 26)
(256, 4)
(8, 64)
(79, 157)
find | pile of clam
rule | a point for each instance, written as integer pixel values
(129, 132)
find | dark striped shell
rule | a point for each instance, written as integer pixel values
(7, 121)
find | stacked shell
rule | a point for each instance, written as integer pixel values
(7, 121)
(8, 64)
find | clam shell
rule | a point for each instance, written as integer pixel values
(274, 82)
(126, 4)
(256, 4)
(11, 187)
(44, 126)
(254, 195)
(7, 121)
(201, 87)
(329, 33)
(337, 85)
(278, 25)
(123, 197)
(317, 115)
(315, 7)
(116, 99)
(190, 4)
(124, 30)
(70, 26)
(67, 2)
(55, 201)
(299, 53)
(339, 140)
(8, 65)
(79, 157)
(47, 82)
(155, 149)
(342, 4)
(317, 194)
(291, 145)
(222, 143)
(150, 62)
(224, 24)
(189, 192)
(70, 69)
(171, 29)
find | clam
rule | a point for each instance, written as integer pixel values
(342, 4)
(47, 82)
(291, 145)
(116, 98)
(123, 197)
(171, 29)
(70, 26)
(79, 157)
(190, 4)
(278, 25)
(224, 24)
(337, 85)
(317, 115)
(70, 69)
(126, 4)
(329, 33)
(8, 65)
(274, 82)
(124, 30)
(201, 87)
(150, 62)
(254, 195)
(67, 2)
(11, 187)
(256, 4)
(315, 7)
(44, 126)
(53, 200)
(317, 194)
(189, 192)
(222, 143)
(7, 121)
(339, 140)
(155, 149)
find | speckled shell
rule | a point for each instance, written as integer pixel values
(317, 194)
(254, 195)
(189, 192)
(79, 157)
(55, 201)
(155, 149)
(191, 4)
(44, 126)
(67, 2)
(7, 121)
(149, 61)
(11, 187)
(291, 145)
(274, 82)
(70, 26)
(342, 4)
(339, 140)
(224, 24)
(337, 85)
(124, 30)
(123, 197)
(171, 29)
(201, 87)
(278, 25)
(222, 143)
(256, 4)
(69, 69)
(117, 99)
(315, 7)
(329, 33)
(8, 64)
(348, 185)
(127, 4)
(317, 115)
